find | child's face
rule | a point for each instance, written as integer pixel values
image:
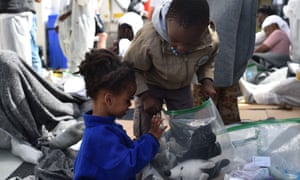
(121, 102)
(125, 31)
(184, 39)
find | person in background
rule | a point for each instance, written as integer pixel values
(275, 49)
(277, 32)
(263, 12)
(107, 152)
(235, 48)
(100, 33)
(17, 30)
(179, 43)
(129, 24)
(76, 29)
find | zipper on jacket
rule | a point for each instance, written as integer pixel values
(185, 59)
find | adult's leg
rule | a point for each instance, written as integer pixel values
(15, 34)
(196, 91)
(226, 101)
(83, 32)
(36, 60)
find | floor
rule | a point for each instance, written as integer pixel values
(254, 112)
(8, 163)
(248, 112)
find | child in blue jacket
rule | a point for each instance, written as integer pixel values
(107, 152)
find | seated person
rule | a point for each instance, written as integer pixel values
(262, 13)
(275, 48)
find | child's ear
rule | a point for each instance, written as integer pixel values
(108, 99)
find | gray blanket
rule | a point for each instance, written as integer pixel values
(27, 103)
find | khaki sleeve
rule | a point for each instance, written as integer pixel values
(138, 55)
(207, 70)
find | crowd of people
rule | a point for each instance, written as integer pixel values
(185, 52)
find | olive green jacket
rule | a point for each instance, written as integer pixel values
(155, 64)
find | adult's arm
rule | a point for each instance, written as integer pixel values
(262, 48)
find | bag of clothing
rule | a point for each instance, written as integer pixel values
(196, 145)
(276, 140)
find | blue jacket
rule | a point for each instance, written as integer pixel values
(107, 152)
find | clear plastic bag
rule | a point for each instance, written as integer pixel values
(277, 139)
(196, 145)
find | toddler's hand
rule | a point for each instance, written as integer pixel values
(157, 128)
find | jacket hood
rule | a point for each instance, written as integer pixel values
(159, 19)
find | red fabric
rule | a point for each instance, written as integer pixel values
(147, 7)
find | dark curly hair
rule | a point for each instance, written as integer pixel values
(103, 69)
(267, 10)
(189, 12)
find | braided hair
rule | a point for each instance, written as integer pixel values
(103, 69)
(189, 12)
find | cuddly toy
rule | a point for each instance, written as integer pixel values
(196, 169)
(203, 144)
(190, 169)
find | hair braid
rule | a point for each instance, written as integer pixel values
(103, 69)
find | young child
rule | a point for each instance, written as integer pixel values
(129, 24)
(107, 152)
(167, 52)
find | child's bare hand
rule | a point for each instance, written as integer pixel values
(157, 127)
